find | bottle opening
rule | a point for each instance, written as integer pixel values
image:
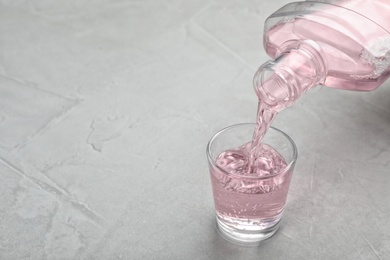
(280, 82)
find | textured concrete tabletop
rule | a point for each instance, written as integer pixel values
(105, 111)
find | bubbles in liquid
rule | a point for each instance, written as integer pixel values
(236, 161)
(378, 56)
(233, 161)
(267, 161)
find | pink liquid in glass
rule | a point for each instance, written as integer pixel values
(254, 204)
(241, 199)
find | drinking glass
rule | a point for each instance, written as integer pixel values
(249, 207)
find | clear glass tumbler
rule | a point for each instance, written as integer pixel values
(249, 208)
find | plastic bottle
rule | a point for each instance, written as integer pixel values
(341, 44)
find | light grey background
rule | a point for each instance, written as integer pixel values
(105, 111)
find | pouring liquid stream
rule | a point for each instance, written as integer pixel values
(265, 116)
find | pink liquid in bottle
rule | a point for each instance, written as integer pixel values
(340, 44)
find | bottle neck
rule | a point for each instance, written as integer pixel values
(296, 69)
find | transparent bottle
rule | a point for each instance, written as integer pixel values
(342, 44)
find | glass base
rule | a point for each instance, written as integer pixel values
(245, 237)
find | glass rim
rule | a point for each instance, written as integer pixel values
(285, 169)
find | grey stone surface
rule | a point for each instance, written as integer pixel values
(105, 111)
